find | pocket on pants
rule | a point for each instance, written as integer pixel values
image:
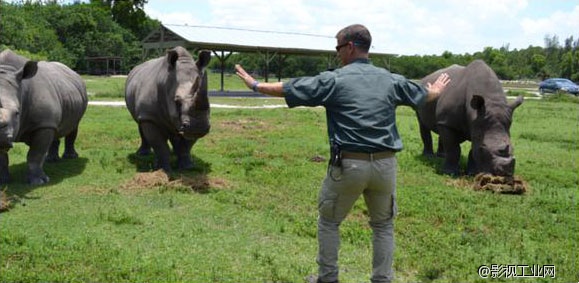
(327, 208)
(327, 200)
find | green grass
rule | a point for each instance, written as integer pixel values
(230, 81)
(523, 92)
(562, 97)
(100, 88)
(113, 87)
(256, 221)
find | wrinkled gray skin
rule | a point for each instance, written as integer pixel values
(167, 97)
(40, 102)
(473, 107)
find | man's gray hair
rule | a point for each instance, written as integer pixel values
(356, 33)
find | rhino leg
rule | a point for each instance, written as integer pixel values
(158, 140)
(145, 148)
(39, 144)
(440, 151)
(426, 137)
(52, 155)
(471, 168)
(4, 174)
(69, 150)
(182, 149)
(451, 145)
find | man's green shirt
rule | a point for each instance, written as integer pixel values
(360, 101)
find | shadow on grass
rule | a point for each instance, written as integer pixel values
(56, 171)
(143, 163)
(146, 163)
(437, 163)
(431, 160)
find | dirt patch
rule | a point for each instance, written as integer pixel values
(243, 124)
(459, 183)
(159, 179)
(317, 158)
(500, 184)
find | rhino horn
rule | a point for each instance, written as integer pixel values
(202, 100)
(518, 101)
(3, 118)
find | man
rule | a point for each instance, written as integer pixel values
(360, 101)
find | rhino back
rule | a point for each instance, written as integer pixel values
(444, 110)
(54, 98)
(452, 109)
(146, 84)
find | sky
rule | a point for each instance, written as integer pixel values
(405, 27)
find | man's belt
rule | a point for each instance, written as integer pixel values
(367, 156)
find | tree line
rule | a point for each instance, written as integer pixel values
(73, 33)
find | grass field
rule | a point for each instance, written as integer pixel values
(106, 88)
(247, 212)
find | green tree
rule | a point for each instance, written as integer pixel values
(566, 65)
(538, 62)
(67, 33)
(23, 27)
(88, 31)
(129, 14)
(71, 32)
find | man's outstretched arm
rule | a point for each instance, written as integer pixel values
(273, 89)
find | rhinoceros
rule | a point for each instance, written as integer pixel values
(167, 97)
(472, 107)
(38, 110)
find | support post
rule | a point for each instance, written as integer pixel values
(222, 58)
(267, 59)
(281, 61)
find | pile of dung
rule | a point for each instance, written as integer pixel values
(148, 180)
(500, 184)
(5, 203)
(160, 179)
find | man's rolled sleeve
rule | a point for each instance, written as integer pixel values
(309, 91)
(410, 93)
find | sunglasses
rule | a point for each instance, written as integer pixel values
(338, 47)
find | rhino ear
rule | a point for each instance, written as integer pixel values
(203, 59)
(28, 71)
(172, 57)
(477, 102)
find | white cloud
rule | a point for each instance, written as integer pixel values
(399, 26)
(174, 17)
(563, 24)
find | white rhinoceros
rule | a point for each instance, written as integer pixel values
(167, 97)
(472, 107)
(40, 102)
